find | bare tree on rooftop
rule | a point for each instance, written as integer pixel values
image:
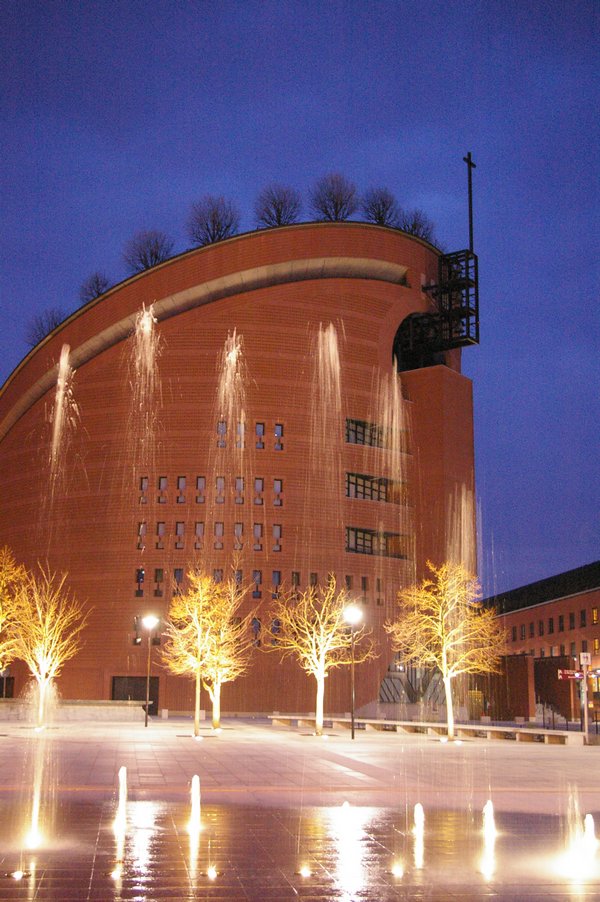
(442, 623)
(212, 218)
(146, 249)
(93, 287)
(333, 198)
(416, 222)
(42, 324)
(378, 205)
(277, 205)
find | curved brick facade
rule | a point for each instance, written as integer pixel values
(275, 289)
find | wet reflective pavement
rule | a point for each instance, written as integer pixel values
(286, 846)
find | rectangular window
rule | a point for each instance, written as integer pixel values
(522, 631)
(257, 532)
(279, 436)
(177, 579)
(561, 623)
(219, 533)
(180, 489)
(369, 541)
(143, 490)
(162, 489)
(218, 575)
(348, 581)
(531, 630)
(562, 649)
(142, 534)
(573, 649)
(277, 492)
(239, 489)
(259, 485)
(594, 615)
(572, 620)
(295, 578)
(359, 432)
(276, 582)
(238, 533)
(238, 577)
(542, 653)
(514, 634)
(221, 434)
(314, 579)
(198, 534)
(276, 536)
(240, 440)
(259, 431)
(374, 488)
(550, 624)
(364, 584)
(158, 580)
(596, 646)
(540, 628)
(584, 645)
(220, 489)
(200, 489)
(257, 580)
(583, 618)
(160, 535)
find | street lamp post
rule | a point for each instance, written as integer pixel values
(353, 616)
(149, 623)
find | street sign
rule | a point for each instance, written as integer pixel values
(570, 674)
(585, 657)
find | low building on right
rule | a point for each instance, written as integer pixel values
(557, 617)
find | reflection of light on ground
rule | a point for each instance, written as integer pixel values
(120, 825)
(143, 824)
(195, 824)
(419, 834)
(397, 869)
(488, 861)
(347, 826)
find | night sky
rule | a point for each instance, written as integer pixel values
(117, 116)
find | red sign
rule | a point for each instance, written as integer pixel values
(570, 674)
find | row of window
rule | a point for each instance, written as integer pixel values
(555, 651)
(258, 537)
(257, 580)
(199, 490)
(541, 624)
(358, 485)
(370, 541)
(361, 432)
(239, 437)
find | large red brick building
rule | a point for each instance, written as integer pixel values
(258, 424)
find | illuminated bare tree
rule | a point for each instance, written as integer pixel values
(443, 624)
(379, 205)
(147, 249)
(212, 219)
(334, 198)
(93, 287)
(310, 626)
(11, 576)
(45, 629)
(42, 324)
(208, 640)
(277, 205)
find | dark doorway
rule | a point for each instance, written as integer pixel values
(133, 688)
(7, 687)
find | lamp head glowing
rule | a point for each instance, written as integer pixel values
(353, 614)
(150, 621)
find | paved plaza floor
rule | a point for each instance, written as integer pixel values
(286, 815)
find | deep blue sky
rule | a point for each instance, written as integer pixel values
(116, 116)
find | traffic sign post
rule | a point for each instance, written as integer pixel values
(585, 659)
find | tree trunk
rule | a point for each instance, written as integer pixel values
(319, 707)
(449, 708)
(216, 706)
(41, 702)
(197, 704)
